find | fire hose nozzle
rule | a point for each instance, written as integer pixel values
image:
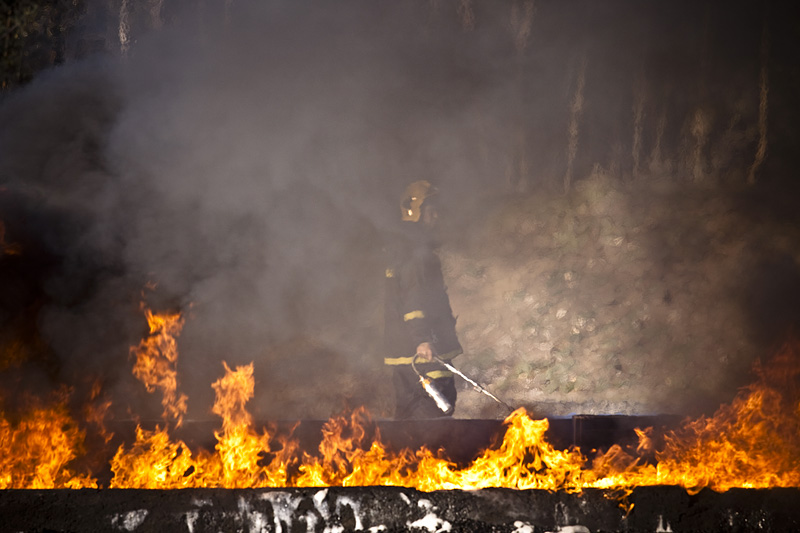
(441, 402)
(433, 392)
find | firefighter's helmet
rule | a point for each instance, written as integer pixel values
(416, 193)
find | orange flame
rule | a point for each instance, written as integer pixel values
(155, 461)
(38, 448)
(352, 455)
(156, 359)
(97, 410)
(240, 450)
(753, 442)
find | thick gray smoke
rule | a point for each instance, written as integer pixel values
(249, 170)
(249, 163)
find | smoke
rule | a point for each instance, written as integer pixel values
(247, 168)
(247, 163)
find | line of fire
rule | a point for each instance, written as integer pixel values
(442, 265)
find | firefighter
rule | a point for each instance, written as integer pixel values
(419, 322)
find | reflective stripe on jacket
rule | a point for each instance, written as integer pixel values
(417, 308)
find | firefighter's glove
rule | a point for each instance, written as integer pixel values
(425, 351)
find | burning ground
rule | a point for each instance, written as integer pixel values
(752, 442)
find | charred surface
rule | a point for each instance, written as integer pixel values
(397, 509)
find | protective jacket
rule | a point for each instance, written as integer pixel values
(417, 306)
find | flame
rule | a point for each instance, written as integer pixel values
(97, 410)
(38, 448)
(240, 449)
(753, 442)
(156, 359)
(525, 460)
(352, 455)
(155, 461)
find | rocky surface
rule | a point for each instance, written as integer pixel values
(646, 297)
(649, 297)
